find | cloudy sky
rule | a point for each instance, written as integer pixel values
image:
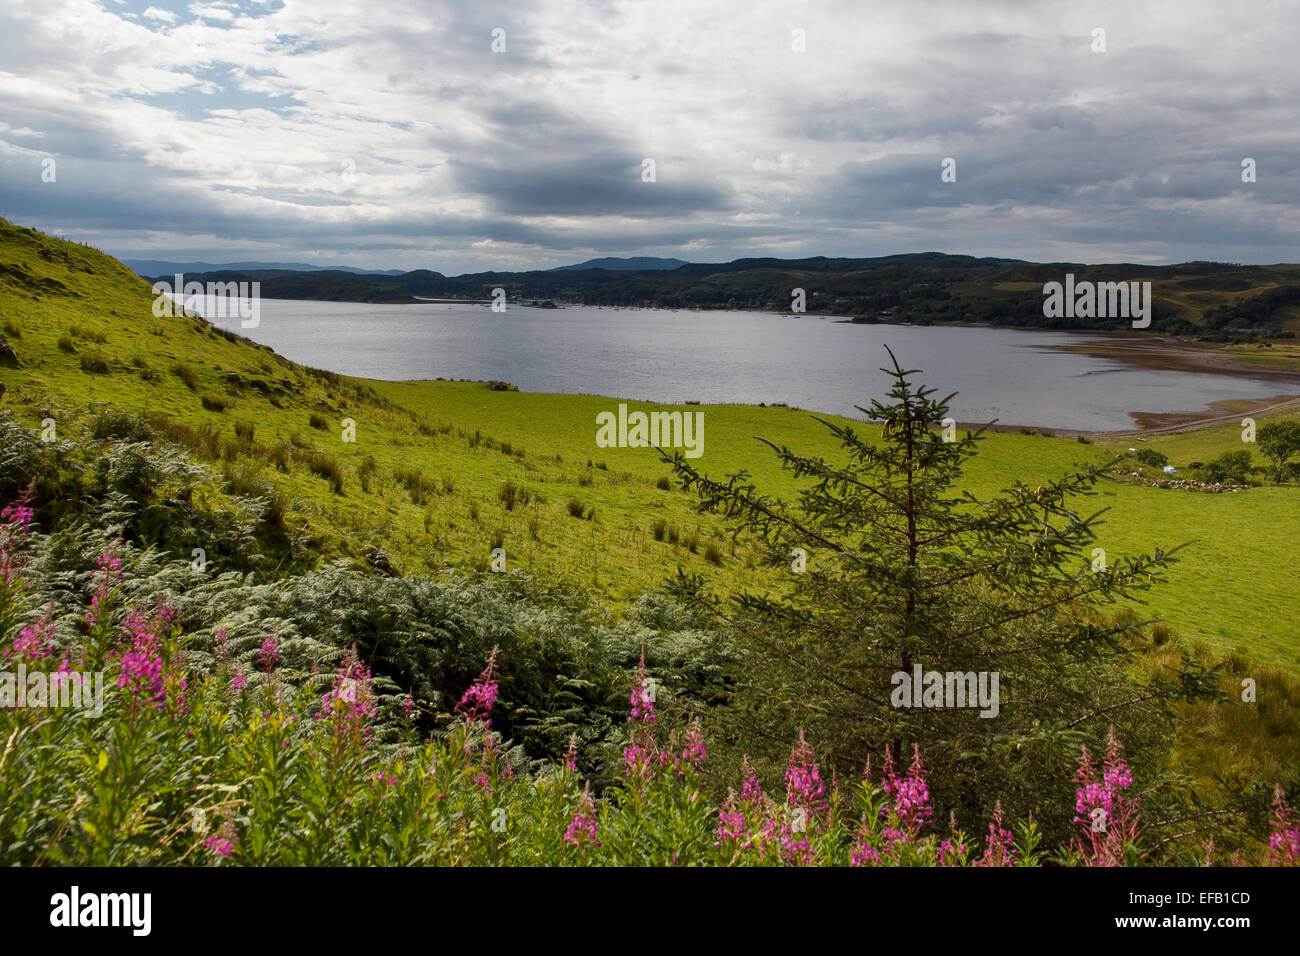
(390, 134)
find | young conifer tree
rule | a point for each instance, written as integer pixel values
(903, 569)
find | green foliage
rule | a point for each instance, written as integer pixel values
(1279, 442)
(903, 572)
(1152, 457)
(1230, 467)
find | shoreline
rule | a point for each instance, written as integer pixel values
(1180, 355)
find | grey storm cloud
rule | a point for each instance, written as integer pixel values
(607, 185)
(460, 135)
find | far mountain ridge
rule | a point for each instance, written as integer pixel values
(150, 268)
(1221, 300)
(627, 264)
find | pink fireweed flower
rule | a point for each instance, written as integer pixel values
(751, 791)
(643, 696)
(864, 854)
(636, 761)
(909, 799)
(349, 705)
(694, 753)
(1108, 815)
(269, 655)
(479, 698)
(803, 782)
(33, 641)
(732, 823)
(999, 845)
(140, 670)
(571, 754)
(109, 570)
(582, 828)
(1284, 841)
(17, 518)
(222, 843)
(239, 681)
(952, 851)
(15, 521)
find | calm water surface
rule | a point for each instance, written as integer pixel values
(812, 362)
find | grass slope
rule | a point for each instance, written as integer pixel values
(429, 476)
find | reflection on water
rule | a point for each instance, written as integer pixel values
(812, 362)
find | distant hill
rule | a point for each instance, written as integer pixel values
(630, 264)
(1207, 299)
(152, 268)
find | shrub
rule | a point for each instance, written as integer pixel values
(94, 364)
(318, 422)
(214, 404)
(244, 431)
(660, 529)
(13, 330)
(664, 483)
(511, 494)
(1231, 466)
(327, 467)
(124, 426)
(365, 471)
(186, 375)
(416, 484)
(65, 344)
(712, 553)
(576, 508)
(1151, 457)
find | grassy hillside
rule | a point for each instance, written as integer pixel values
(441, 473)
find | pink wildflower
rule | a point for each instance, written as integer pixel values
(269, 655)
(479, 698)
(582, 828)
(803, 782)
(643, 698)
(33, 642)
(999, 845)
(694, 753)
(222, 843)
(1284, 841)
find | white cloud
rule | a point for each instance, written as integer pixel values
(239, 121)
